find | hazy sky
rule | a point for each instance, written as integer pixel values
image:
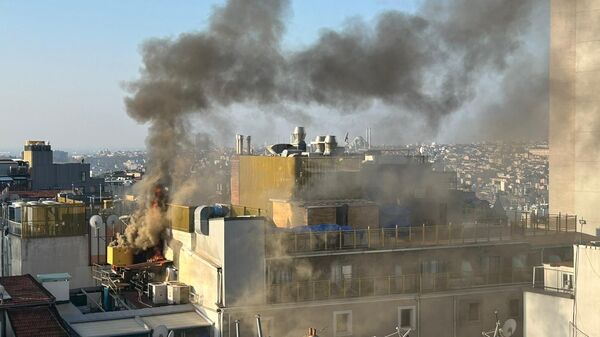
(62, 62)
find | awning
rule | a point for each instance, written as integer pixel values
(140, 324)
(184, 320)
(118, 327)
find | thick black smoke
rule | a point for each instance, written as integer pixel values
(423, 67)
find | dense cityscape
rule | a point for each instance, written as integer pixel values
(269, 172)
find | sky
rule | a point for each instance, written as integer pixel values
(63, 63)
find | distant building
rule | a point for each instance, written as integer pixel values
(45, 174)
(14, 174)
(61, 157)
(574, 110)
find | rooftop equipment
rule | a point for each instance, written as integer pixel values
(203, 213)
(157, 291)
(330, 145)
(298, 137)
(239, 144)
(178, 293)
(119, 256)
(319, 144)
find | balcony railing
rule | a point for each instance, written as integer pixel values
(388, 285)
(43, 229)
(288, 242)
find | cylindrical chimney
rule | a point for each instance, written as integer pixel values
(239, 144)
(320, 144)
(330, 145)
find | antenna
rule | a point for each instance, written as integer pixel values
(111, 221)
(509, 327)
(96, 221)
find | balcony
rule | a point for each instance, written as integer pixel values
(315, 290)
(44, 229)
(556, 278)
(525, 229)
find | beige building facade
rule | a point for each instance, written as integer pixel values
(565, 299)
(575, 110)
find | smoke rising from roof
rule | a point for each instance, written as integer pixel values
(422, 67)
(426, 65)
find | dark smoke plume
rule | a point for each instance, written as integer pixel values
(425, 66)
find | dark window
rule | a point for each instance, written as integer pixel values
(341, 215)
(473, 311)
(406, 318)
(514, 308)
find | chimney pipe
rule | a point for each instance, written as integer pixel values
(239, 144)
(249, 143)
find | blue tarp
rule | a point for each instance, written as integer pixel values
(321, 228)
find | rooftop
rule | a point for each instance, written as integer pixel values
(24, 290)
(46, 322)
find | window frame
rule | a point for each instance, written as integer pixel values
(469, 320)
(349, 323)
(413, 316)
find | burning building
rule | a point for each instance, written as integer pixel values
(308, 240)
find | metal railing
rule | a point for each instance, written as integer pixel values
(288, 242)
(388, 285)
(243, 210)
(41, 229)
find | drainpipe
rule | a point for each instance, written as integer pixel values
(418, 315)
(258, 326)
(219, 288)
(220, 320)
(237, 328)
(454, 314)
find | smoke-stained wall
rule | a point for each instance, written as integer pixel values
(575, 110)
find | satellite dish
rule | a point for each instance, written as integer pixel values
(509, 327)
(96, 221)
(112, 220)
(160, 331)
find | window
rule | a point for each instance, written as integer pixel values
(473, 311)
(340, 273)
(281, 274)
(407, 317)
(567, 281)
(342, 323)
(347, 272)
(514, 308)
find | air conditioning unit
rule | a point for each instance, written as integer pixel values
(178, 293)
(157, 291)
